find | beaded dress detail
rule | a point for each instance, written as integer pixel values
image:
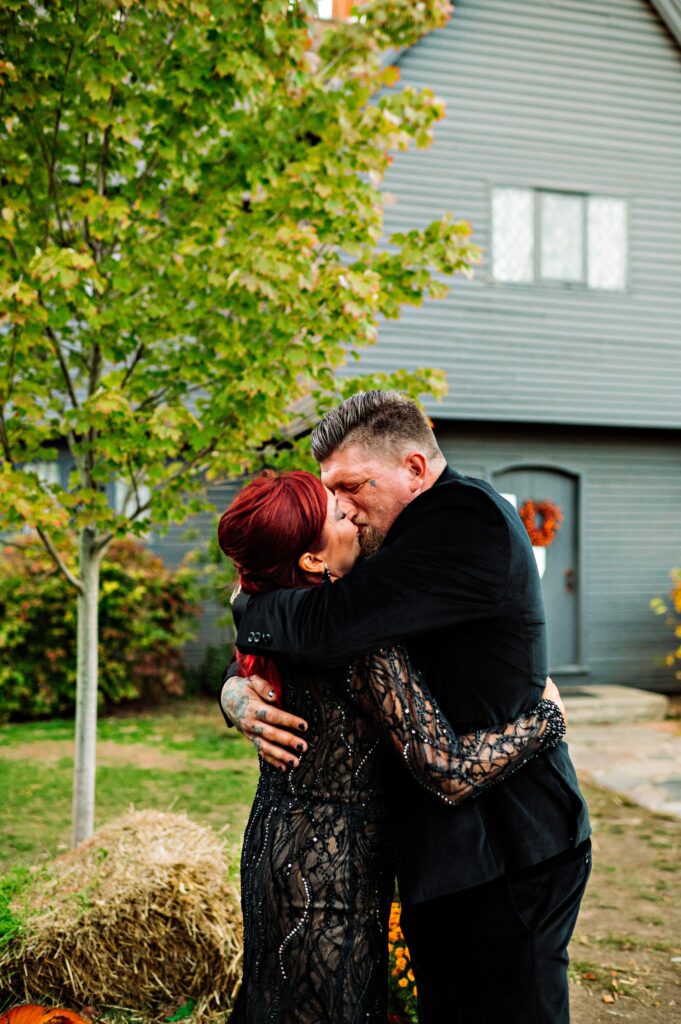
(316, 871)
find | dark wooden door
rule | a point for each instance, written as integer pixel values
(560, 582)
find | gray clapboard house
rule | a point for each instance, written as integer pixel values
(562, 146)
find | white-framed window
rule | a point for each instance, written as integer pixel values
(569, 237)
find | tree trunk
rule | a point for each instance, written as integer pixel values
(86, 691)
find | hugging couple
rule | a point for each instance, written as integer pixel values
(392, 672)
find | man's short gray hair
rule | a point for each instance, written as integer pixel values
(384, 420)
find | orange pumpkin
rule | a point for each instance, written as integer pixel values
(33, 1014)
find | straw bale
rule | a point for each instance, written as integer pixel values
(140, 915)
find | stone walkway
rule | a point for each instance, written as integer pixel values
(640, 760)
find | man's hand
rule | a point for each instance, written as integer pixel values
(250, 704)
(551, 692)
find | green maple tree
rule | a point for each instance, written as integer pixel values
(192, 240)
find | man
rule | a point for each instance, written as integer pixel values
(490, 892)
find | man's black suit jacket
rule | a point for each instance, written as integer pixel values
(457, 581)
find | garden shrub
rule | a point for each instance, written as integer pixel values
(146, 613)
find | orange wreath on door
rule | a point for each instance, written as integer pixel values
(543, 533)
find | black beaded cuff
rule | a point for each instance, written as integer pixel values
(555, 730)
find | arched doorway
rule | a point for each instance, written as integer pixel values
(560, 582)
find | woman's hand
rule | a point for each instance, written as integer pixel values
(551, 692)
(250, 704)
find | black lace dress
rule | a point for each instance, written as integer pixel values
(316, 871)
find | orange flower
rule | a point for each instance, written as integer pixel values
(403, 982)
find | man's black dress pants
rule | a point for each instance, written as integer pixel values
(497, 953)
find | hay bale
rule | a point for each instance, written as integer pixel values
(140, 915)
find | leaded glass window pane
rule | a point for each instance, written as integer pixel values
(607, 234)
(513, 234)
(562, 237)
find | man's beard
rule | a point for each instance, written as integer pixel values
(370, 540)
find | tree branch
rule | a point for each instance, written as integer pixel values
(4, 439)
(141, 509)
(47, 158)
(135, 360)
(10, 366)
(75, 452)
(103, 154)
(154, 399)
(12, 249)
(101, 544)
(62, 363)
(60, 104)
(93, 383)
(133, 486)
(95, 370)
(58, 560)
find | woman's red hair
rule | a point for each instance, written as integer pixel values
(268, 526)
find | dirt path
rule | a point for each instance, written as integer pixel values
(626, 952)
(110, 753)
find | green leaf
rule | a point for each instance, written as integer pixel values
(184, 1011)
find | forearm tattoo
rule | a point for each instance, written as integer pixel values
(234, 701)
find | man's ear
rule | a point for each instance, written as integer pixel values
(311, 563)
(417, 465)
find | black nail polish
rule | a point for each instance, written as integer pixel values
(300, 747)
(302, 727)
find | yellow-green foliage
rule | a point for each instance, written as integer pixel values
(672, 610)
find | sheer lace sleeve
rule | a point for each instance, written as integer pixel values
(387, 689)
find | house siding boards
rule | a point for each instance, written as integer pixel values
(580, 96)
(630, 483)
(586, 97)
(175, 545)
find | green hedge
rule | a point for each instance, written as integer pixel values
(146, 614)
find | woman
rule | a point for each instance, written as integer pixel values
(316, 871)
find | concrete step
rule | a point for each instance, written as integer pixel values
(601, 705)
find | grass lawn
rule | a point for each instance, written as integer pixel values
(182, 759)
(626, 954)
